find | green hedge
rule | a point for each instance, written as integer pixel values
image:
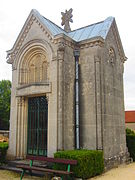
(130, 139)
(3, 151)
(89, 162)
(129, 131)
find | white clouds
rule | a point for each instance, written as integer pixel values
(13, 15)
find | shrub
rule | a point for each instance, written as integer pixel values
(130, 140)
(129, 131)
(3, 151)
(89, 162)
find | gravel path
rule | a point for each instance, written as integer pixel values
(123, 172)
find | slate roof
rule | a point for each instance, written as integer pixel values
(95, 30)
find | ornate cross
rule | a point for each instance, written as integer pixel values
(66, 18)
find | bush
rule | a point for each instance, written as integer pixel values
(89, 162)
(3, 151)
(129, 131)
(130, 140)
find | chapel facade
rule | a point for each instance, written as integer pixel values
(43, 98)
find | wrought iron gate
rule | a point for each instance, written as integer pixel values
(37, 126)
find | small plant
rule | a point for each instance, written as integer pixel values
(3, 151)
(89, 162)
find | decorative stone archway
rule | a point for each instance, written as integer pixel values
(34, 67)
(33, 80)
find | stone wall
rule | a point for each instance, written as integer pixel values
(87, 99)
(69, 99)
(114, 139)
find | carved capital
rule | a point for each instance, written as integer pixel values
(47, 97)
(60, 52)
(61, 46)
(19, 101)
(97, 59)
(23, 101)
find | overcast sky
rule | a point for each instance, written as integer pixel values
(13, 14)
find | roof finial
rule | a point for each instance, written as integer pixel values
(66, 18)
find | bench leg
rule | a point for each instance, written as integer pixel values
(30, 172)
(22, 174)
(68, 177)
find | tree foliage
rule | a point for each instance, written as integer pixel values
(5, 95)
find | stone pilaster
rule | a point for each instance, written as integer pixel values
(18, 142)
(98, 103)
(25, 126)
(21, 128)
(60, 56)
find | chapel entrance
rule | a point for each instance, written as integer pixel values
(37, 126)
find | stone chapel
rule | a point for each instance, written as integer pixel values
(67, 89)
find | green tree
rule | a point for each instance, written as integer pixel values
(5, 95)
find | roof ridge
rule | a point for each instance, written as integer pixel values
(79, 34)
(86, 26)
(53, 23)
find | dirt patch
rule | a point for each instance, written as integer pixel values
(10, 175)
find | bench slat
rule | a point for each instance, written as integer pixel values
(26, 167)
(54, 160)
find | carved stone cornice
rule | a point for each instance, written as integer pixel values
(67, 41)
(118, 42)
(92, 43)
(11, 56)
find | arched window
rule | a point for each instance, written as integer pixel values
(34, 67)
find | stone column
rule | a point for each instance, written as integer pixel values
(60, 56)
(21, 128)
(18, 135)
(98, 104)
(25, 121)
(11, 153)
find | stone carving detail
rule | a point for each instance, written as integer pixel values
(34, 69)
(111, 55)
(120, 50)
(12, 56)
(66, 18)
(47, 97)
(20, 101)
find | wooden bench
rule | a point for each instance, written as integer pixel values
(31, 167)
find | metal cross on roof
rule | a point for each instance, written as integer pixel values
(66, 18)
